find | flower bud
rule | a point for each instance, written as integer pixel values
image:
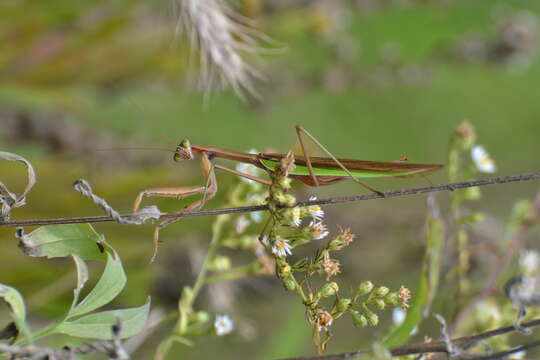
(381, 291)
(359, 320)
(280, 198)
(329, 289)
(200, 317)
(343, 305)
(364, 288)
(466, 133)
(379, 304)
(371, 317)
(289, 200)
(392, 299)
(284, 183)
(289, 283)
(220, 263)
(473, 218)
(471, 194)
(284, 270)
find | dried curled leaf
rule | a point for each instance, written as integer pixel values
(10, 200)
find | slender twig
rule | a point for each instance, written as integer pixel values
(328, 201)
(464, 343)
(501, 263)
(113, 349)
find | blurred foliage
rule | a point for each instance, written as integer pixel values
(372, 79)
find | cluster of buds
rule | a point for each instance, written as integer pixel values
(374, 299)
(325, 304)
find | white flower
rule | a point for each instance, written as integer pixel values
(296, 216)
(529, 260)
(223, 325)
(398, 316)
(241, 224)
(482, 160)
(248, 169)
(256, 216)
(318, 230)
(281, 248)
(315, 210)
(517, 355)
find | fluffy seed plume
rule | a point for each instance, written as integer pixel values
(223, 39)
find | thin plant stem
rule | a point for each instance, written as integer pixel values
(464, 343)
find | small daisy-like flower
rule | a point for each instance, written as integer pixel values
(264, 240)
(318, 230)
(223, 325)
(281, 248)
(398, 316)
(482, 160)
(404, 295)
(315, 210)
(529, 260)
(296, 216)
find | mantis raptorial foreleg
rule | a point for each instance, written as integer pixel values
(208, 191)
(179, 192)
(299, 131)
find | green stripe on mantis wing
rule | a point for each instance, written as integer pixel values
(327, 171)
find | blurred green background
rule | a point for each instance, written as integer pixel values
(371, 79)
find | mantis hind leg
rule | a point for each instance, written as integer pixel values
(299, 131)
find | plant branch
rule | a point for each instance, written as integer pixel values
(501, 263)
(328, 201)
(464, 343)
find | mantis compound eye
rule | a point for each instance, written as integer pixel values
(183, 151)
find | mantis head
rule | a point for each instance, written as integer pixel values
(183, 151)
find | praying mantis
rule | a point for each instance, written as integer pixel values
(312, 171)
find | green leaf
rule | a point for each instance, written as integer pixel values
(110, 284)
(99, 325)
(82, 278)
(62, 240)
(18, 311)
(428, 282)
